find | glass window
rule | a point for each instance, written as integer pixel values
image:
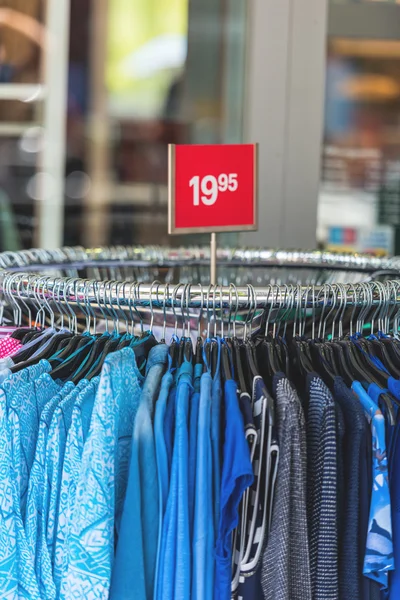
(359, 203)
(140, 75)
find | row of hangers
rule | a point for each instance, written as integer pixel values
(351, 356)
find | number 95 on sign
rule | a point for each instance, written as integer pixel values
(212, 188)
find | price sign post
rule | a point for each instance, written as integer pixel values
(212, 188)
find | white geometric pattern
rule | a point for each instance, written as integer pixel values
(102, 480)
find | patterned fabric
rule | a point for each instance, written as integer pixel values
(102, 480)
(9, 346)
(55, 449)
(33, 523)
(254, 508)
(25, 406)
(379, 551)
(350, 561)
(8, 517)
(285, 571)
(17, 573)
(77, 434)
(322, 491)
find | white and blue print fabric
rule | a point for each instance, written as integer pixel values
(76, 437)
(102, 480)
(33, 522)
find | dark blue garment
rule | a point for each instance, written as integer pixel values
(394, 478)
(237, 476)
(370, 589)
(350, 558)
(194, 417)
(216, 394)
(136, 552)
(176, 569)
(394, 577)
(169, 425)
(257, 498)
(322, 490)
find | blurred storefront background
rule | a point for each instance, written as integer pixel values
(92, 91)
(359, 203)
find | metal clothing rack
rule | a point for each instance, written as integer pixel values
(81, 292)
(148, 256)
(50, 294)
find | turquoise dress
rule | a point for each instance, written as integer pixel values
(103, 479)
(77, 434)
(22, 396)
(55, 449)
(33, 523)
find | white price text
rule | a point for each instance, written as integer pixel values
(206, 189)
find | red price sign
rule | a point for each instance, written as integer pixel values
(212, 188)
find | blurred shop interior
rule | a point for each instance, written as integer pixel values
(92, 91)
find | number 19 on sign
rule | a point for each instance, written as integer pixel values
(207, 188)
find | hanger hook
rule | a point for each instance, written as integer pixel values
(156, 282)
(174, 299)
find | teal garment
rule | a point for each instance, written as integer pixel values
(16, 560)
(193, 425)
(77, 434)
(135, 564)
(25, 406)
(162, 462)
(33, 522)
(10, 518)
(55, 449)
(175, 561)
(203, 527)
(102, 480)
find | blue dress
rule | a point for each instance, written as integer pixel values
(21, 396)
(25, 405)
(33, 524)
(216, 393)
(77, 434)
(176, 567)
(193, 425)
(12, 580)
(237, 476)
(203, 527)
(162, 465)
(103, 479)
(55, 450)
(135, 563)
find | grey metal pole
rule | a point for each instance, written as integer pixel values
(213, 259)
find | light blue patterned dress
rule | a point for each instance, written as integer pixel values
(102, 480)
(21, 394)
(33, 522)
(24, 410)
(8, 517)
(55, 449)
(76, 438)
